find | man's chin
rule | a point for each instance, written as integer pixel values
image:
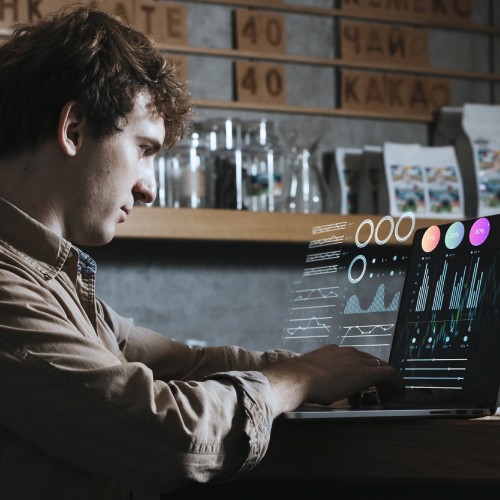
(97, 239)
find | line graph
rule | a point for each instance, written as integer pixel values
(332, 240)
(311, 324)
(308, 294)
(367, 329)
(363, 336)
(375, 338)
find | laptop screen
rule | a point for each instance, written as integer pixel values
(448, 327)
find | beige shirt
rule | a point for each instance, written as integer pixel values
(93, 407)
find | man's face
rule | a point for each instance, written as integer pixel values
(112, 174)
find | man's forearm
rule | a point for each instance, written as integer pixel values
(328, 374)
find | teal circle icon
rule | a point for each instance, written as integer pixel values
(454, 235)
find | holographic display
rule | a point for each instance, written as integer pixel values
(350, 287)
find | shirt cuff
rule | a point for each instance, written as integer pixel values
(256, 397)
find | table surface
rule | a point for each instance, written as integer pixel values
(411, 459)
(403, 450)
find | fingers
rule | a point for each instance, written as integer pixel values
(385, 382)
(355, 400)
(373, 360)
(389, 384)
(389, 388)
(340, 372)
(367, 397)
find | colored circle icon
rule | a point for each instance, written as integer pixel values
(454, 235)
(479, 231)
(430, 239)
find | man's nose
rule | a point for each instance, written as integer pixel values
(145, 188)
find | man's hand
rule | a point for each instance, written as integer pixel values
(329, 374)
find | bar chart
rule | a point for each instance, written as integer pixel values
(451, 303)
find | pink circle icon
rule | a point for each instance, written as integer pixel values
(479, 231)
(430, 239)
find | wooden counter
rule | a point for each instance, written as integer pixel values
(418, 458)
(417, 449)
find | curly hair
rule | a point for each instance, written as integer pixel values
(90, 56)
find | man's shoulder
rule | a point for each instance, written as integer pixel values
(15, 265)
(22, 279)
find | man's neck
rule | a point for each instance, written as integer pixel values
(25, 181)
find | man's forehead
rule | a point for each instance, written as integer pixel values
(145, 116)
(145, 107)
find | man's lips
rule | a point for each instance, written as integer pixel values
(124, 213)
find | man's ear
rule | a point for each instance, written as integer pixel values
(71, 128)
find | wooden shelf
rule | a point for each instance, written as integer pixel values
(233, 225)
(313, 111)
(327, 61)
(338, 13)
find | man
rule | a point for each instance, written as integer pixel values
(92, 406)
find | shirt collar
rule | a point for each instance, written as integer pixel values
(86, 264)
(47, 251)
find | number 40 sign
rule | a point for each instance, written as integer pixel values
(260, 82)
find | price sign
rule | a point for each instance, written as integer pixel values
(449, 12)
(10, 16)
(260, 31)
(27, 11)
(379, 43)
(400, 94)
(260, 82)
(124, 9)
(164, 22)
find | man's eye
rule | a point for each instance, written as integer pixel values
(148, 151)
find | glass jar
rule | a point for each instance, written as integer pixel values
(263, 161)
(304, 189)
(228, 176)
(184, 172)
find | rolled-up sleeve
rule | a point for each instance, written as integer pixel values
(171, 359)
(108, 413)
(255, 395)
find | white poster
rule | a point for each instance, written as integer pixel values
(423, 180)
(481, 124)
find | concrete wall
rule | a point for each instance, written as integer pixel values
(235, 293)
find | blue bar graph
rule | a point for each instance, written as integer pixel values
(424, 290)
(437, 304)
(456, 293)
(475, 288)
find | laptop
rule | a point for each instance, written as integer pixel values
(446, 343)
